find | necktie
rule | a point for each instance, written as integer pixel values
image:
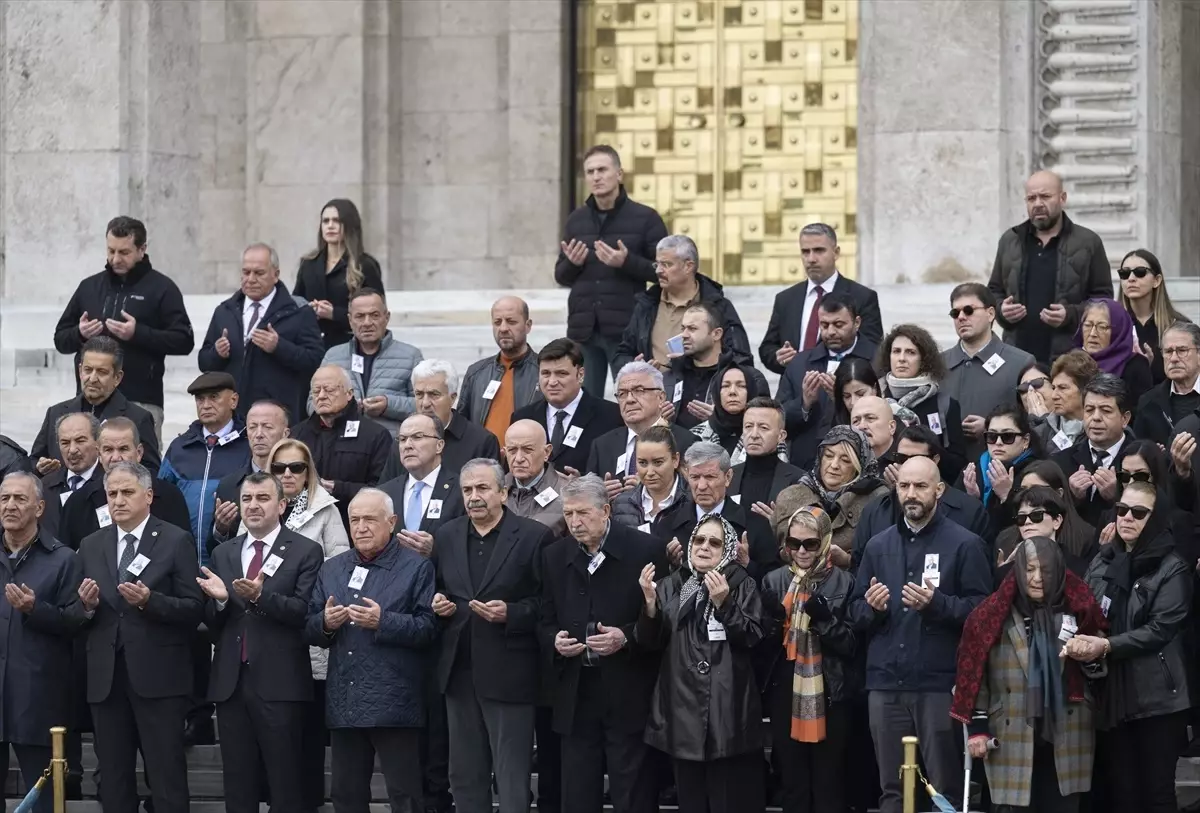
(254, 309)
(1099, 455)
(256, 563)
(631, 460)
(412, 513)
(74, 481)
(556, 438)
(127, 557)
(211, 441)
(814, 322)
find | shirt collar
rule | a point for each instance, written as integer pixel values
(224, 430)
(86, 475)
(648, 501)
(589, 554)
(430, 480)
(532, 483)
(839, 356)
(268, 540)
(569, 408)
(1195, 390)
(983, 351)
(701, 512)
(1111, 451)
(263, 304)
(137, 532)
(826, 286)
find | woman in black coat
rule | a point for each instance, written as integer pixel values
(336, 270)
(706, 712)
(661, 493)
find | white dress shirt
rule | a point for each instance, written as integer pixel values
(630, 451)
(810, 303)
(430, 480)
(716, 510)
(220, 433)
(248, 548)
(248, 311)
(648, 501)
(1110, 453)
(84, 476)
(1195, 388)
(137, 534)
(552, 413)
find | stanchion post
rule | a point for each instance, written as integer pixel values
(908, 774)
(58, 767)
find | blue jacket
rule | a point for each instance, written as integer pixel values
(376, 678)
(197, 470)
(910, 650)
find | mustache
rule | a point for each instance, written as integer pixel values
(476, 504)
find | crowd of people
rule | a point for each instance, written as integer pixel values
(475, 578)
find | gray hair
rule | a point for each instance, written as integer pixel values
(28, 475)
(267, 248)
(388, 505)
(92, 420)
(485, 463)
(820, 230)
(683, 247)
(431, 367)
(342, 371)
(641, 368)
(140, 473)
(586, 487)
(1191, 329)
(706, 452)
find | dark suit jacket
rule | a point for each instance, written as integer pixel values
(465, 441)
(610, 596)
(594, 415)
(504, 657)
(46, 442)
(156, 639)
(1091, 508)
(602, 459)
(54, 486)
(788, 314)
(683, 522)
(806, 430)
(447, 490)
(764, 551)
(228, 490)
(273, 626)
(79, 518)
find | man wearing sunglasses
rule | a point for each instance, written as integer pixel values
(1089, 463)
(1179, 396)
(1045, 269)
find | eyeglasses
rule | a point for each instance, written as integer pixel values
(1182, 352)
(1035, 517)
(1127, 477)
(1008, 438)
(965, 310)
(1034, 383)
(1096, 327)
(1139, 513)
(402, 439)
(636, 392)
(1124, 273)
(808, 543)
(299, 467)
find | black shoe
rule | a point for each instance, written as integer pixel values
(668, 797)
(200, 731)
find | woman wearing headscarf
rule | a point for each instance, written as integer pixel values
(733, 386)
(814, 674)
(1106, 334)
(844, 481)
(1145, 591)
(706, 712)
(1013, 684)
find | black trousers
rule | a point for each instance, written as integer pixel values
(1141, 757)
(1044, 795)
(354, 752)
(435, 745)
(730, 785)
(199, 709)
(811, 774)
(549, 761)
(33, 760)
(124, 719)
(258, 732)
(314, 738)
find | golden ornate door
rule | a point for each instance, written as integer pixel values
(735, 119)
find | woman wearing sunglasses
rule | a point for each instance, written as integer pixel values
(1011, 444)
(1033, 390)
(1144, 296)
(1144, 590)
(815, 674)
(1077, 536)
(706, 711)
(1043, 511)
(1106, 334)
(1143, 461)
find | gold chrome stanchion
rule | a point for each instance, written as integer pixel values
(58, 767)
(908, 774)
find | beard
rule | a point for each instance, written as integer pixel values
(1047, 221)
(915, 511)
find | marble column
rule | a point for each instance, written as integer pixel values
(97, 111)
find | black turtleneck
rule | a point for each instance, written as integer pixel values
(94, 409)
(757, 477)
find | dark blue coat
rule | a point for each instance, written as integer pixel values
(910, 650)
(35, 649)
(376, 678)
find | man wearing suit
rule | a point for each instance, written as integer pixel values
(78, 436)
(140, 605)
(572, 418)
(101, 368)
(603, 679)
(267, 423)
(258, 591)
(794, 326)
(489, 587)
(709, 474)
(1089, 463)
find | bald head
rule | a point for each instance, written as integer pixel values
(331, 391)
(372, 516)
(918, 488)
(526, 449)
(511, 325)
(873, 417)
(1044, 200)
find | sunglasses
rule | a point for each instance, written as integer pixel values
(1127, 477)
(1035, 383)
(1008, 438)
(1140, 273)
(965, 310)
(900, 459)
(1035, 516)
(299, 467)
(1139, 513)
(809, 544)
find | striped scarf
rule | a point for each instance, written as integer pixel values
(803, 645)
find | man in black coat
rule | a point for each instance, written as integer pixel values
(603, 680)
(608, 253)
(1160, 409)
(709, 475)
(1089, 464)
(489, 589)
(41, 578)
(140, 605)
(572, 418)
(263, 337)
(792, 328)
(258, 589)
(78, 436)
(100, 371)
(427, 493)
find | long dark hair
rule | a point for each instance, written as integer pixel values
(1052, 475)
(1075, 535)
(1161, 309)
(1156, 460)
(1021, 418)
(852, 369)
(352, 241)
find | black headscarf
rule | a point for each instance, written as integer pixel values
(1045, 695)
(726, 424)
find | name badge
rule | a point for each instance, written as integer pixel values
(716, 630)
(831, 365)
(933, 577)
(678, 392)
(573, 435)
(594, 565)
(103, 517)
(546, 497)
(1069, 628)
(62, 498)
(358, 577)
(1062, 440)
(621, 461)
(356, 364)
(935, 422)
(932, 562)
(138, 564)
(1105, 604)
(644, 527)
(493, 387)
(737, 498)
(351, 429)
(434, 511)
(230, 438)
(272, 564)
(993, 364)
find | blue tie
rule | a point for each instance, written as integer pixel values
(412, 514)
